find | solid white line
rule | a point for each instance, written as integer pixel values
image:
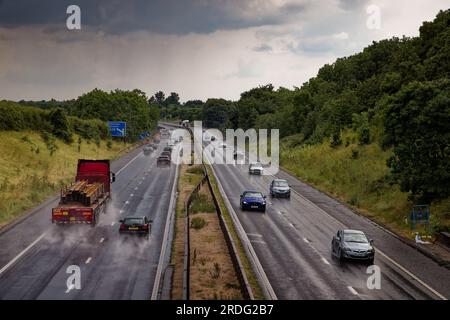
(325, 260)
(254, 235)
(411, 275)
(22, 253)
(305, 240)
(129, 162)
(88, 260)
(353, 290)
(101, 240)
(378, 250)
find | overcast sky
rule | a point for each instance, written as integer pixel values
(198, 48)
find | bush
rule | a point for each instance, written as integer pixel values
(198, 223)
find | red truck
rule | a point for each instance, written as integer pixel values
(86, 198)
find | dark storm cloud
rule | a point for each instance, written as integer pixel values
(161, 16)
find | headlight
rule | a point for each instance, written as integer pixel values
(244, 202)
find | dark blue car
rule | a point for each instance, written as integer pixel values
(253, 200)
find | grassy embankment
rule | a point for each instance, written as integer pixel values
(29, 173)
(355, 175)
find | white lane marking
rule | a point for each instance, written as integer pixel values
(132, 195)
(101, 240)
(129, 162)
(279, 212)
(352, 290)
(120, 211)
(22, 253)
(257, 241)
(325, 260)
(127, 202)
(255, 235)
(88, 260)
(442, 297)
(291, 225)
(306, 240)
(136, 188)
(411, 275)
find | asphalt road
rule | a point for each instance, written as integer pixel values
(35, 255)
(293, 243)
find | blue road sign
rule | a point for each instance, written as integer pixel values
(118, 128)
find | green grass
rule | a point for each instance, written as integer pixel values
(29, 173)
(202, 203)
(356, 175)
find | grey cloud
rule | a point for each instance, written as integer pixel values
(161, 16)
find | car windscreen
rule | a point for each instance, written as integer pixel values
(256, 165)
(133, 221)
(355, 237)
(253, 195)
(280, 184)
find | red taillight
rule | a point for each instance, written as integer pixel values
(122, 226)
(145, 227)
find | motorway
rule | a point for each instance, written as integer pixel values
(292, 241)
(35, 254)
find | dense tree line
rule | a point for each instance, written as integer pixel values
(87, 115)
(396, 87)
(55, 121)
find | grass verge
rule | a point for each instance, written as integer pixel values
(356, 175)
(33, 167)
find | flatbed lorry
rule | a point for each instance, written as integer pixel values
(86, 198)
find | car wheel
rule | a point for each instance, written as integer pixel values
(340, 257)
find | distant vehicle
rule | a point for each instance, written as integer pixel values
(238, 155)
(167, 154)
(280, 188)
(168, 149)
(147, 150)
(253, 200)
(180, 138)
(171, 143)
(163, 161)
(156, 141)
(255, 168)
(86, 198)
(352, 245)
(135, 225)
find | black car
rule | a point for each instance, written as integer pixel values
(280, 188)
(352, 245)
(253, 200)
(135, 225)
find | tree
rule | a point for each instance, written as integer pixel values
(417, 126)
(215, 113)
(60, 124)
(160, 97)
(173, 99)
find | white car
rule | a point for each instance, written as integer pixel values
(255, 168)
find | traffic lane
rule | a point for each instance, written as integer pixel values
(420, 265)
(103, 256)
(17, 238)
(318, 228)
(40, 263)
(122, 266)
(293, 267)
